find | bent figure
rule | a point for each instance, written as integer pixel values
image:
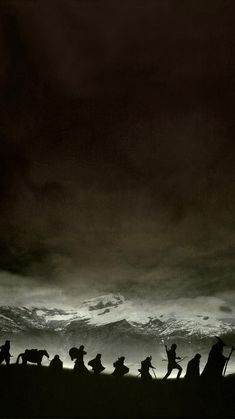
(78, 354)
(172, 364)
(96, 365)
(34, 356)
(5, 352)
(144, 370)
(120, 369)
(56, 364)
(193, 369)
(216, 361)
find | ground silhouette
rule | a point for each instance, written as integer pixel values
(32, 391)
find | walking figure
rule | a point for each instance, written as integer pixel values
(56, 364)
(216, 361)
(145, 367)
(172, 364)
(96, 364)
(193, 369)
(120, 368)
(78, 354)
(5, 352)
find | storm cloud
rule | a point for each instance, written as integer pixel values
(117, 147)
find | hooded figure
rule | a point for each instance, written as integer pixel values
(96, 364)
(216, 361)
(193, 369)
(145, 366)
(120, 368)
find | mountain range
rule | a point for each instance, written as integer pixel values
(112, 325)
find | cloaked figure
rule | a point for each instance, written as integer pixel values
(56, 364)
(119, 368)
(5, 352)
(145, 367)
(172, 364)
(216, 362)
(96, 364)
(193, 369)
(78, 355)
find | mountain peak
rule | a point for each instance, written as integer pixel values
(104, 302)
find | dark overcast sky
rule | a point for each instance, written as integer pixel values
(117, 146)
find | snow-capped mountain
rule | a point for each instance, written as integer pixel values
(112, 310)
(113, 326)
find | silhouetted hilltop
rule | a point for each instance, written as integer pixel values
(36, 392)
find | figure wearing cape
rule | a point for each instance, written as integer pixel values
(193, 369)
(216, 361)
(120, 368)
(96, 364)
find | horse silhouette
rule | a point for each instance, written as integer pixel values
(32, 355)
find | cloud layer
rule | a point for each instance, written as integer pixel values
(117, 144)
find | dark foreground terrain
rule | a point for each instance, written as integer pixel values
(35, 392)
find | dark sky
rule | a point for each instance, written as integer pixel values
(117, 148)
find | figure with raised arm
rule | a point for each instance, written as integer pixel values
(172, 364)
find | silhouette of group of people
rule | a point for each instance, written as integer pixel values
(214, 369)
(77, 354)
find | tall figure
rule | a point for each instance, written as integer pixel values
(5, 352)
(172, 364)
(216, 362)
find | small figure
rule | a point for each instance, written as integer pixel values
(5, 352)
(96, 364)
(172, 364)
(144, 370)
(193, 369)
(216, 362)
(56, 364)
(120, 368)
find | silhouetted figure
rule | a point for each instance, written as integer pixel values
(120, 368)
(5, 352)
(78, 354)
(172, 364)
(193, 369)
(33, 356)
(216, 362)
(56, 364)
(145, 367)
(96, 364)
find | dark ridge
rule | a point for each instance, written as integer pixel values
(33, 391)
